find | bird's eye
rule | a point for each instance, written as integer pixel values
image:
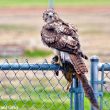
(46, 14)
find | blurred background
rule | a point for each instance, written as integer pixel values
(20, 26)
(21, 23)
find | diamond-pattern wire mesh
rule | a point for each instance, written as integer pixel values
(105, 89)
(32, 90)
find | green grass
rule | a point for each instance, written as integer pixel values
(46, 100)
(43, 100)
(33, 54)
(37, 106)
(35, 3)
(38, 93)
(37, 53)
(42, 97)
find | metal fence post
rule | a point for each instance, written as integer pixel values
(78, 95)
(81, 97)
(51, 4)
(94, 76)
(71, 97)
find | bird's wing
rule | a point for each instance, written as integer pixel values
(59, 40)
(67, 44)
(49, 31)
(68, 29)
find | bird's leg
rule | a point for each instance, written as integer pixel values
(55, 61)
(68, 85)
(69, 73)
(57, 58)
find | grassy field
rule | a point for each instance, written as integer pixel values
(41, 99)
(37, 53)
(37, 91)
(35, 3)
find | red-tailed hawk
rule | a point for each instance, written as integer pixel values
(63, 37)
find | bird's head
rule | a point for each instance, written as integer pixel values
(49, 16)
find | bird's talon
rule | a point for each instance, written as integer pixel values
(55, 60)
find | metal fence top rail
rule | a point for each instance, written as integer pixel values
(104, 66)
(27, 66)
(100, 66)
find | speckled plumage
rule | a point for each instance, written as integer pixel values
(63, 37)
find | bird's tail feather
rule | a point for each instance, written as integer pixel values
(88, 90)
(78, 64)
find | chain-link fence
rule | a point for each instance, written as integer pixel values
(100, 80)
(26, 86)
(33, 87)
(105, 86)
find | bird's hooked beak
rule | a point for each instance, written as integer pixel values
(50, 14)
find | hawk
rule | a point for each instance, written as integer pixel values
(63, 37)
